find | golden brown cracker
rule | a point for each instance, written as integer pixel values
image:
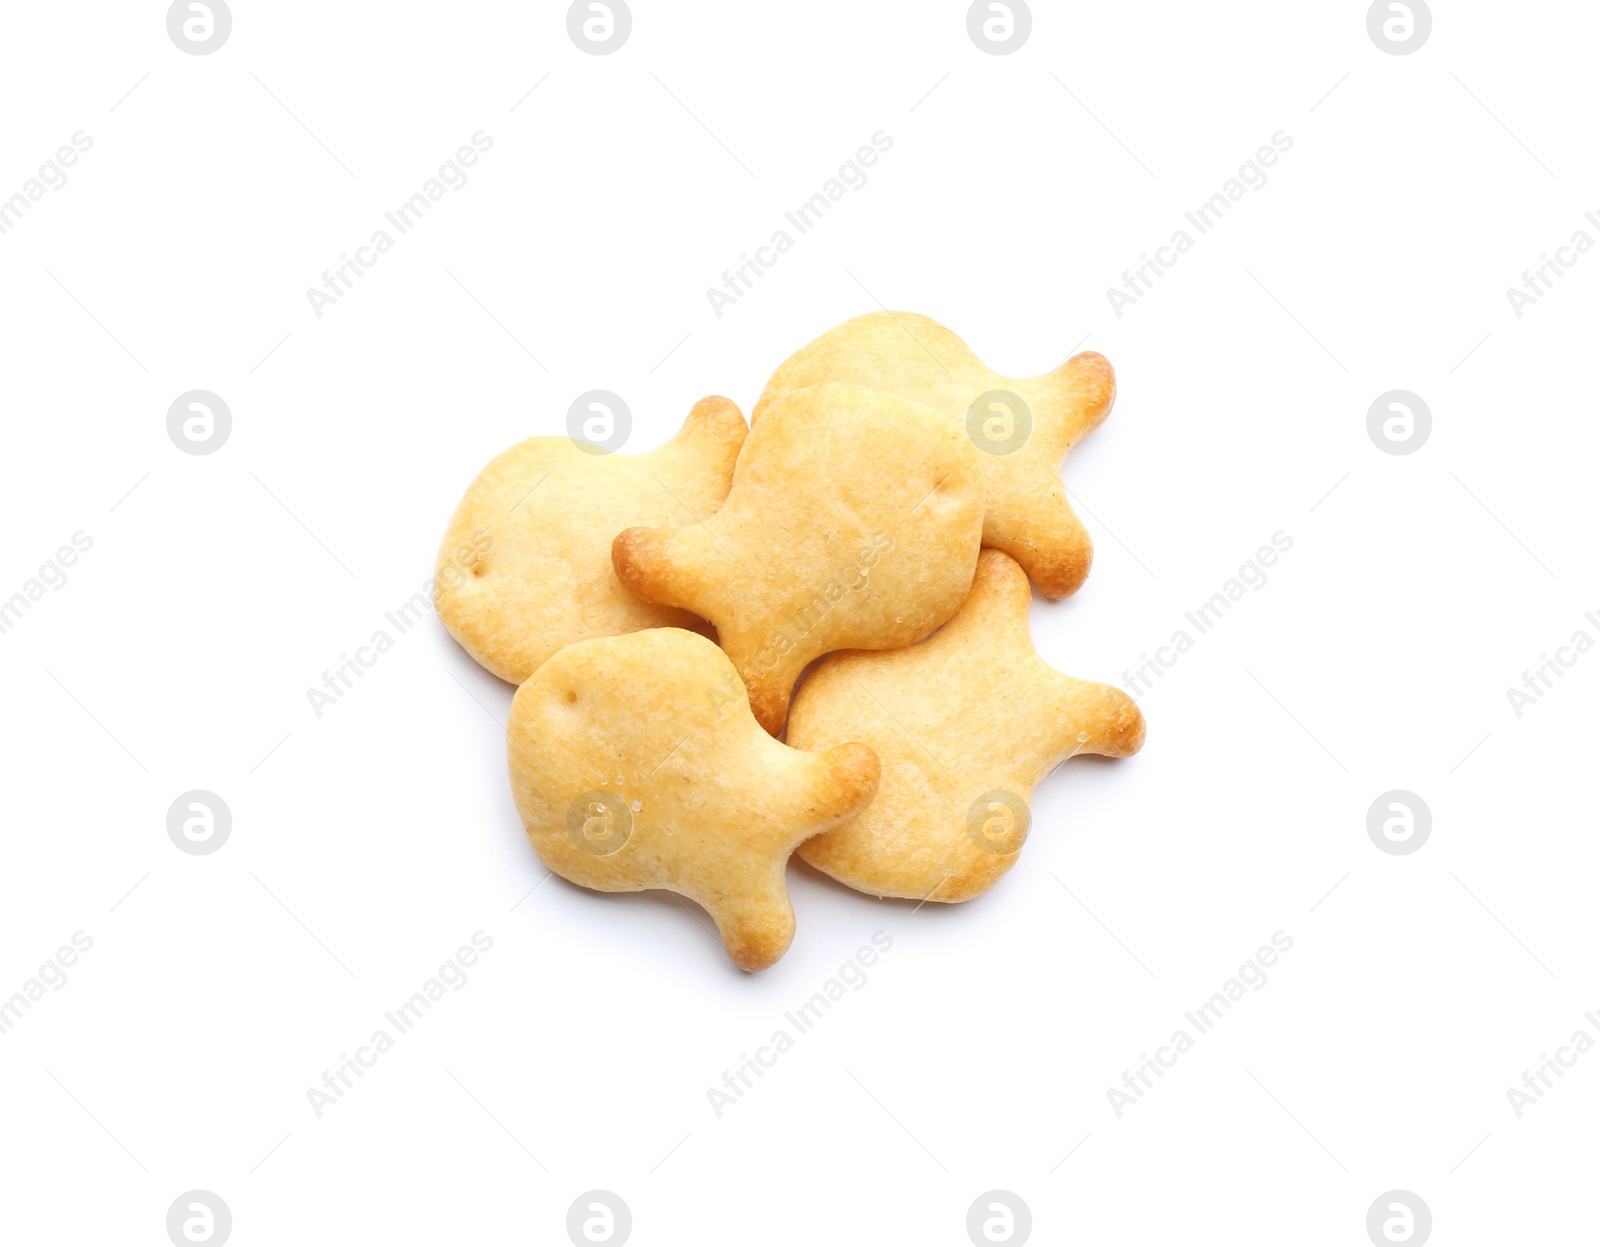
(853, 521)
(1027, 514)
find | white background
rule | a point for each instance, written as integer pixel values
(369, 843)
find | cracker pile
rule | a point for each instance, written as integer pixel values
(882, 518)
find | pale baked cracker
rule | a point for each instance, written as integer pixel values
(525, 565)
(965, 725)
(635, 763)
